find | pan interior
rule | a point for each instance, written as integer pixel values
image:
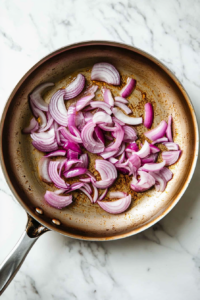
(154, 84)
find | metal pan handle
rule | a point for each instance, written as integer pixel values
(13, 262)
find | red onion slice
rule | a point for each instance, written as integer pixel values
(108, 98)
(72, 146)
(116, 207)
(105, 169)
(57, 133)
(32, 127)
(126, 119)
(166, 173)
(75, 87)
(135, 160)
(57, 108)
(96, 194)
(160, 183)
(107, 128)
(102, 105)
(117, 194)
(129, 134)
(56, 153)
(144, 151)
(121, 150)
(99, 134)
(84, 102)
(80, 120)
(152, 167)
(84, 161)
(103, 195)
(169, 129)
(113, 160)
(171, 157)
(124, 107)
(75, 186)
(157, 132)
(161, 140)
(69, 136)
(148, 120)
(86, 193)
(145, 182)
(44, 138)
(71, 118)
(74, 172)
(54, 175)
(71, 162)
(103, 184)
(72, 154)
(56, 200)
(119, 138)
(150, 158)
(105, 72)
(115, 120)
(101, 117)
(88, 141)
(108, 154)
(88, 116)
(132, 147)
(85, 180)
(121, 99)
(154, 149)
(36, 97)
(128, 88)
(43, 167)
(88, 188)
(171, 146)
(45, 148)
(48, 124)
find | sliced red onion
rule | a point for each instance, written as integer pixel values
(166, 173)
(152, 167)
(85, 180)
(56, 200)
(169, 129)
(121, 99)
(124, 107)
(103, 184)
(84, 161)
(62, 164)
(99, 134)
(75, 186)
(115, 120)
(101, 117)
(60, 191)
(160, 183)
(108, 154)
(45, 148)
(32, 127)
(124, 118)
(107, 128)
(102, 105)
(88, 141)
(44, 138)
(96, 194)
(72, 154)
(56, 153)
(69, 136)
(54, 175)
(88, 116)
(116, 207)
(150, 158)
(72, 146)
(117, 194)
(71, 118)
(80, 121)
(122, 158)
(119, 139)
(144, 151)
(48, 124)
(105, 169)
(75, 87)
(171, 157)
(157, 132)
(106, 72)
(129, 134)
(113, 160)
(74, 172)
(171, 146)
(57, 133)
(43, 167)
(90, 175)
(144, 183)
(88, 188)
(123, 170)
(161, 140)
(133, 147)
(127, 90)
(121, 150)
(57, 108)
(36, 97)
(148, 120)
(135, 160)
(86, 193)
(83, 102)
(42, 117)
(71, 162)
(154, 149)
(103, 195)
(108, 98)
(123, 167)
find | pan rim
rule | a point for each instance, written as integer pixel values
(178, 84)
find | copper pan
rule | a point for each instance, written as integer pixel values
(82, 220)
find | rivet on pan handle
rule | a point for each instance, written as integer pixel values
(13, 262)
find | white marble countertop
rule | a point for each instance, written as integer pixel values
(163, 262)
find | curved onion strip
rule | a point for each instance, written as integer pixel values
(72, 146)
(72, 154)
(107, 128)
(43, 166)
(44, 138)
(126, 119)
(157, 132)
(107, 96)
(166, 173)
(101, 117)
(171, 157)
(75, 186)
(88, 141)
(88, 188)
(86, 193)
(119, 138)
(103, 195)
(135, 160)
(116, 207)
(80, 120)
(85, 180)
(53, 174)
(36, 97)
(124, 107)
(99, 134)
(161, 140)
(69, 136)
(160, 183)
(128, 88)
(148, 120)
(103, 184)
(84, 161)
(171, 146)
(121, 150)
(71, 162)
(108, 154)
(132, 147)
(150, 158)
(57, 108)
(48, 124)
(75, 87)
(105, 72)
(56, 153)
(154, 149)
(84, 102)
(113, 160)
(117, 194)
(71, 118)
(45, 148)
(56, 200)
(115, 120)
(105, 169)
(39, 114)
(102, 105)
(152, 167)
(144, 183)
(96, 194)
(129, 134)
(169, 129)
(144, 151)
(121, 99)
(122, 158)
(32, 127)
(74, 172)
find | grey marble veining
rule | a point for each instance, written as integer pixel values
(163, 262)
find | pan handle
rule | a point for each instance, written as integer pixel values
(13, 262)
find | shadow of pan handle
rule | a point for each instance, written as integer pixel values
(13, 262)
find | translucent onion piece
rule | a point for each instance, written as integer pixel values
(45, 148)
(103, 195)
(171, 157)
(72, 146)
(166, 173)
(36, 97)
(154, 149)
(148, 120)
(56, 200)
(116, 207)
(69, 136)
(102, 105)
(105, 72)
(32, 127)
(157, 132)
(54, 175)
(57, 108)
(108, 98)
(119, 138)
(161, 140)
(127, 90)
(75, 172)
(129, 134)
(56, 153)
(124, 107)
(144, 151)
(160, 183)
(48, 123)
(144, 183)
(152, 167)
(126, 119)
(44, 138)
(121, 99)
(86, 193)
(171, 146)
(43, 166)
(169, 129)
(75, 87)
(101, 117)
(96, 194)
(88, 141)
(150, 158)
